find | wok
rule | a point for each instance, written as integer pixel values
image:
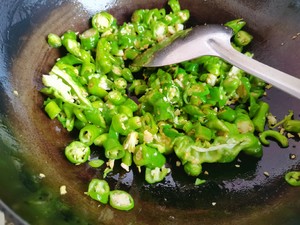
(32, 144)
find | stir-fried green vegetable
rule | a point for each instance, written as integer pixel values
(201, 111)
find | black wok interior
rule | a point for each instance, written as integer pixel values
(31, 144)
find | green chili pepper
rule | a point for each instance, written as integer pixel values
(127, 160)
(99, 190)
(131, 104)
(259, 119)
(70, 43)
(77, 152)
(116, 97)
(103, 59)
(215, 124)
(193, 110)
(54, 40)
(120, 84)
(87, 69)
(89, 133)
(89, 39)
(202, 133)
(242, 38)
(138, 86)
(156, 175)
(121, 200)
(218, 96)
(243, 122)
(120, 123)
(192, 169)
(292, 126)
(170, 132)
(69, 59)
(230, 84)
(80, 115)
(293, 178)
(95, 163)
(223, 149)
(52, 109)
(199, 91)
(236, 25)
(112, 146)
(103, 21)
(148, 123)
(127, 74)
(283, 140)
(199, 181)
(94, 116)
(243, 90)
(113, 149)
(174, 4)
(253, 107)
(227, 113)
(101, 139)
(148, 156)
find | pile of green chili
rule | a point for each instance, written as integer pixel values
(201, 111)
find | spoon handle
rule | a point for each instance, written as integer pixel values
(281, 80)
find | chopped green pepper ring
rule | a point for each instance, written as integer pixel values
(121, 200)
(283, 140)
(99, 190)
(77, 152)
(293, 178)
(89, 133)
(52, 109)
(292, 126)
(156, 175)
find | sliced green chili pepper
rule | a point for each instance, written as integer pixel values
(293, 178)
(77, 152)
(54, 40)
(112, 146)
(156, 175)
(95, 89)
(192, 169)
(89, 133)
(236, 25)
(121, 200)
(259, 119)
(103, 21)
(174, 4)
(99, 190)
(283, 140)
(52, 109)
(127, 160)
(124, 125)
(89, 39)
(69, 59)
(148, 156)
(70, 43)
(94, 116)
(242, 38)
(243, 122)
(199, 181)
(227, 114)
(101, 139)
(216, 124)
(200, 132)
(292, 126)
(95, 163)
